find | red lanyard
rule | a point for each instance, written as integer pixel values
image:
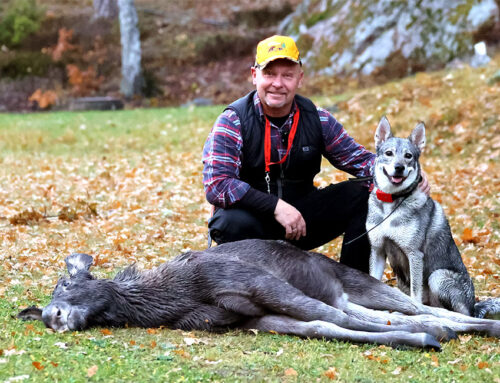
(267, 146)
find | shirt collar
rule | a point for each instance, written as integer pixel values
(260, 111)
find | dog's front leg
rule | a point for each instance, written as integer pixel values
(377, 263)
(416, 261)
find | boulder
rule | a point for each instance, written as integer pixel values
(388, 37)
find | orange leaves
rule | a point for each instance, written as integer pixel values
(91, 371)
(44, 99)
(63, 44)
(106, 332)
(290, 372)
(467, 236)
(84, 82)
(331, 373)
(38, 366)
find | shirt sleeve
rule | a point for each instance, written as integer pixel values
(221, 168)
(341, 150)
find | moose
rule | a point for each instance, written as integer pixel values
(252, 284)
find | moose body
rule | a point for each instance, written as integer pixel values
(266, 285)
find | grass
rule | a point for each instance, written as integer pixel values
(140, 171)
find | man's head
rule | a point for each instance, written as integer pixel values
(277, 74)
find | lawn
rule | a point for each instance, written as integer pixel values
(126, 187)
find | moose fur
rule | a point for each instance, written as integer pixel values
(256, 284)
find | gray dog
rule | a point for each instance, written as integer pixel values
(411, 230)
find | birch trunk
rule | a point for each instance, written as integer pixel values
(132, 81)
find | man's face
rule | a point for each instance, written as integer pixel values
(277, 85)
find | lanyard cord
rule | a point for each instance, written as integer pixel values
(267, 147)
(267, 141)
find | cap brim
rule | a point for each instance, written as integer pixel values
(263, 64)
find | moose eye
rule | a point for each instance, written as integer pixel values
(66, 283)
(389, 153)
(408, 156)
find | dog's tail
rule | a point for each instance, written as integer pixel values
(489, 308)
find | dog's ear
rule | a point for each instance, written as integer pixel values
(383, 131)
(418, 136)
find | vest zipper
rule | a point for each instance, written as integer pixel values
(279, 183)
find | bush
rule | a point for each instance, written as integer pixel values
(20, 64)
(19, 19)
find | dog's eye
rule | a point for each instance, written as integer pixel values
(408, 156)
(389, 153)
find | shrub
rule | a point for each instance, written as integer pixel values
(19, 19)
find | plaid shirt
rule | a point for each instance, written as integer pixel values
(223, 148)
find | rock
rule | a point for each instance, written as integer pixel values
(388, 37)
(200, 101)
(96, 103)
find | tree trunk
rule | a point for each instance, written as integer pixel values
(132, 81)
(105, 9)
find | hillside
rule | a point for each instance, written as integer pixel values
(190, 49)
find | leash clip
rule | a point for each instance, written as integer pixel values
(268, 182)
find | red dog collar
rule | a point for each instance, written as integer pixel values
(381, 196)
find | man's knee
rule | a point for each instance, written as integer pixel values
(229, 225)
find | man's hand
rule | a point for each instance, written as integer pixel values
(291, 219)
(424, 184)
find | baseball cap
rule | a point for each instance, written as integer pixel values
(276, 47)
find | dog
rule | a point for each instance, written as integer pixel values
(410, 229)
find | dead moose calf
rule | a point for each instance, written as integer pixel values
(265, 285)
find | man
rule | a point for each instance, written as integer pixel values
(261, 157)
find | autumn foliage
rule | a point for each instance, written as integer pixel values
(44, 99)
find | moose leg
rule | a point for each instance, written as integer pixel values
(418, 323)
(282, 298)
(320, 329)
(370, 293)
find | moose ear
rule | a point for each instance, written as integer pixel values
(30, 313)
(417, 136)
(78, 262)
(383, 131)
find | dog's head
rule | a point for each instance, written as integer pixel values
(396, 165)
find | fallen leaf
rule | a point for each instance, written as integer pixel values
(105, 331)
(290, 372)
(331, 373)
(92, 371)
(38, 365)
(397, 371)
(482, 365)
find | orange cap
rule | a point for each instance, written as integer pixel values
(276, 47)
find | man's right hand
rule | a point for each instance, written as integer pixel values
(291, 219)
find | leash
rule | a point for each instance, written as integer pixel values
(378, 224)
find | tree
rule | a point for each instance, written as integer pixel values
(132, 80)
(105, 9)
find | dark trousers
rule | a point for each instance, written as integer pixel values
(330, 212)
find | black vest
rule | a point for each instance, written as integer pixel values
(293, 178)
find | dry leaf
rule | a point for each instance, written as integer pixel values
(38, 365)
(106, 331)
(92, 371)
(482, 365)
(290, 372)
(331, 373)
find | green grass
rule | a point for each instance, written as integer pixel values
(142, 169)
